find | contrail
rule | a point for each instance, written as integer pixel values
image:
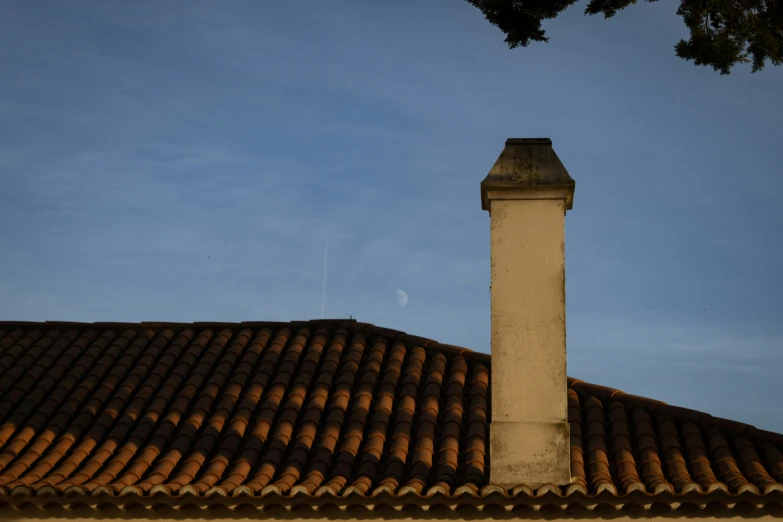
(323, 287)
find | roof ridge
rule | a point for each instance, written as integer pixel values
(161, 324)
(350, 323)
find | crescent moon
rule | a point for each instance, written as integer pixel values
(402, 298)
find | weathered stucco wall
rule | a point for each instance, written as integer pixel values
(529, 397)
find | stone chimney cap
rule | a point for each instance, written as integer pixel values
(527, 164)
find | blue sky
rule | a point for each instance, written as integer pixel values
(184, 161)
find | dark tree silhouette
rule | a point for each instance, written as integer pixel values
(723, 32)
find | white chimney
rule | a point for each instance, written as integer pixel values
(527, 193)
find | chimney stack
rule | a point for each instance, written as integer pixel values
(527, 193)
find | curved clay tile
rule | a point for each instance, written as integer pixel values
(157, 389)
(597, 451)
(311, 417)
(119, 356)
(56, 386)
(623, 453)
(753, 467)
(191, 427)
(774, 459)
(366, 472)
(400, 442)
(578, 474)
(698, 458)
(449, 447)
(255, 440)
(193, 372)
(197, 445)
(674, 461)
(40, 397)
(7, 340)
(101, 410)
(478, 423)
(649, 458)
(21, 353)
(19, 378)
(289, 415)
(424, 443)
(247, 397)
(132, 358)
(330, 435)
(727, 467)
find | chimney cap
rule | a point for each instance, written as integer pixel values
(527, 164)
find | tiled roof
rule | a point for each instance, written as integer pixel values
(326, 413)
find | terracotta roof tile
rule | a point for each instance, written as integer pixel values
(327, 412)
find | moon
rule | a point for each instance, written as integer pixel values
(402, 298)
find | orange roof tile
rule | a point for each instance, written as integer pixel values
(326, 412)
